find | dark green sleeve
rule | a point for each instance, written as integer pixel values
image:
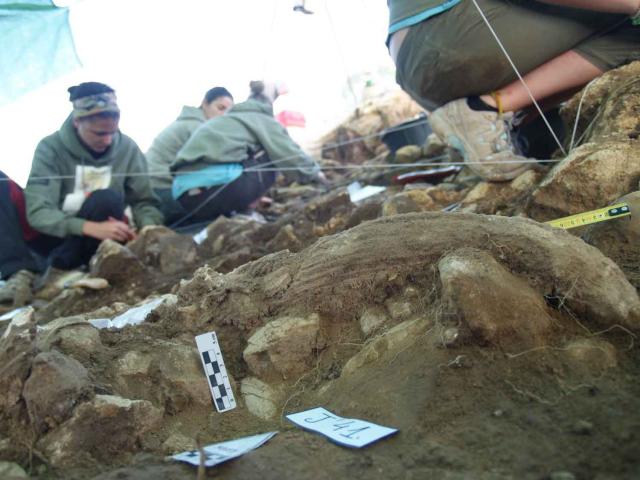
(138, 192)
(42, 196)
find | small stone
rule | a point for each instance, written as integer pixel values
(582, 427)
(450, 337)
(498, 413)
(372, 319)
(261, 399)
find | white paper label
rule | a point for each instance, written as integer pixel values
(349, 432)
(221, 452)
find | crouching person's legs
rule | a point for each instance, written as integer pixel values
(206, 204)
(17, 264)
(100, 206)
(452, 63)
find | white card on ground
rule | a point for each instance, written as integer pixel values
(133, 316)
(12, 313)
(201, 236)
(215, 371)
(221, 452)
(358, 193)
(349, 432)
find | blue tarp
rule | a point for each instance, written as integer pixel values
(37, 46)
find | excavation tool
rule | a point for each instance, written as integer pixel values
(594, 216)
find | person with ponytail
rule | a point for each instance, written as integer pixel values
(166, 145)
(228, 162)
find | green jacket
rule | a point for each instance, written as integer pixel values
(58, 155)
(166, 145)
(228, 138)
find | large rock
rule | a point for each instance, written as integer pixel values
(107, 429)
(115, 263)
(167, 373)
(609, 108)
(606, 165)
(165, 250)
(619, 239)
(73, 336)
(56, 385)
(497, 306)
(591, 177)
(284, 347)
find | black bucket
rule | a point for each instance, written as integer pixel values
(411, 132)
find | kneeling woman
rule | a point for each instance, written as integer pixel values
(225, 165)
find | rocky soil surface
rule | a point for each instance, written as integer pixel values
(500, 347)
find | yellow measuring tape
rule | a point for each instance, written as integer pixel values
(594, 216)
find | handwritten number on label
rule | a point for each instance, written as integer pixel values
(354, 432)
(325, 417)
(340, 426)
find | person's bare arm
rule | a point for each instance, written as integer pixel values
(628, 7)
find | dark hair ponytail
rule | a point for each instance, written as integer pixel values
(88, 88)
(256, 87)
(216, 92)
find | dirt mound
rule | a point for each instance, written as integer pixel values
(449, 291)
(499, 346)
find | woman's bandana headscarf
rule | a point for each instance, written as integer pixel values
(93, 104)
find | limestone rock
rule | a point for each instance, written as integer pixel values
(161, 248)
(56, 385)
(398, 338)
(619, 239)
(261, 399)
(73, 336)
(498, 307)
(285, 347)
(591, 177)
(168, 373)
(106, 429)
(115, 263)
(417, 200)
(408, 154)
(609, 107)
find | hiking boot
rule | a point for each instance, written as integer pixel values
(18, 289)
(483, 138)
